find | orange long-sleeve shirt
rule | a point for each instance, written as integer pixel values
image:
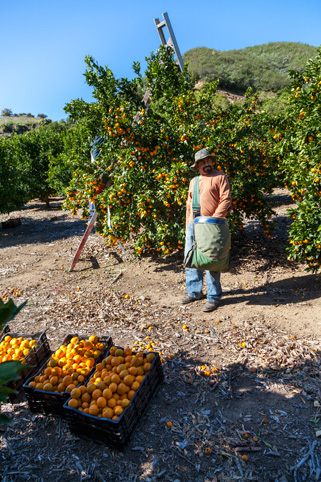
(215, 196)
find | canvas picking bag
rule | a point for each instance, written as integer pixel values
(212, 240)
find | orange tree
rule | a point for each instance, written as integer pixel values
(12, 189)
(148, 161)
(298, 136)
(24, 163)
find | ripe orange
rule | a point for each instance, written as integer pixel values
(67, 380)
(96, 394)
(52, 363)
(122, 388)
(48, 387)
(56, 371)
(112, 350)
(101, 386)
(75, 393)
(101, 402)
(108, 412)
(123, 374)
(93, 410)
(121, 368)
(100, 367)
(135, 362)
(91, 387)
(135, 386)
(73, 403)
(113, 387)
(119, 352)
(130, 394)
(108, 360)
(107, 393)
(88, 345)
(111, 403)
(115, 379)
(115, 361)
(128, 380)
(150, 357)
(127, 351)
(118, 410)
(93, 339)
(47, 372)
(107, 380)
(140, 370)
(53, 380)
(70, 387)
(147, 367)
(85, 397)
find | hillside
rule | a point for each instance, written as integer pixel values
(263, 67)
(19, 124)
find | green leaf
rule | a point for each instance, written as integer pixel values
(8, 311)
(4, 390)
(267, 444)
(4, 419)
(9, 370)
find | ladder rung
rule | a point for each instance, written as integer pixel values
(161, 24)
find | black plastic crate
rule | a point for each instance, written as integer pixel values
(35, 359)
(116, 433)
(4, 331)
(51, 403)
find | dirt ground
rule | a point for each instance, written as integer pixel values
(249, 369)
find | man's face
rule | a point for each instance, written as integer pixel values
(205, 166)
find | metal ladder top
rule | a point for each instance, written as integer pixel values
(172, 39)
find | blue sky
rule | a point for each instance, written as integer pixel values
(43, 43)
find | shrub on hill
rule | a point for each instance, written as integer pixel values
(263, 67)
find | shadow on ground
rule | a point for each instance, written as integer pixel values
(266, 415)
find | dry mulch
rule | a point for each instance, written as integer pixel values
(234, 385)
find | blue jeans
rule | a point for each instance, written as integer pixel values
(194, 277)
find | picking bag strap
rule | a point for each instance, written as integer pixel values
(196, 208)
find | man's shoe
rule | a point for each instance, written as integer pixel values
(210, 306)
(189, 299)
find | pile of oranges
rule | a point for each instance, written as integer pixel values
(15, 348)
(69, 365)
(113, 385)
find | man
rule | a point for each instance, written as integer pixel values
(216, 201)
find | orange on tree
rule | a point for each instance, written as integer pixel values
(156, 153)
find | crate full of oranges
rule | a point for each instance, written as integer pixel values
(69, 366)
(31, 350)
(108, 407)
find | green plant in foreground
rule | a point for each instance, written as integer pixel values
(8, 370)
